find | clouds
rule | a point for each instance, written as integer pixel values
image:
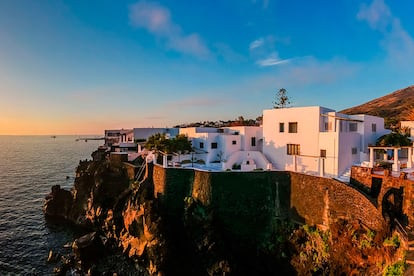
(256, 44)
(378, 15)
(272, 60)
(396, 41)
(308, 71)
(156, 19)
(263, 50)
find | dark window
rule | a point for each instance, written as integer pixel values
(214, 145)
(353, 127)
(354, 150)
(253, 141)
(293, 127)
(293, 149)
(233, 142)
(281, 127)
(374, 127)
(201, 145)
(323, 153)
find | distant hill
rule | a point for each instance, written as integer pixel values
(394, 107)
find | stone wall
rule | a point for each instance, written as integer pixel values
(172, 186)
(131, 170)
(317, 199)
(361, 176)
(246, 203)
(384, 187)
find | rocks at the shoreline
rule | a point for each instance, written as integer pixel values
(89, 248)
(58, 203)
(128, 218)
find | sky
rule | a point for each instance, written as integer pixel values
(79, 67)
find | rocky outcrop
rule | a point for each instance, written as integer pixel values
(58, 203)
(177, 222)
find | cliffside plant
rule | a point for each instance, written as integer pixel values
(367, 240)
(313, 251)
(394, 241)
(396, 269)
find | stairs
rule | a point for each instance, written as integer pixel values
(345, 177)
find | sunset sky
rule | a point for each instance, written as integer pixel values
(79, 67)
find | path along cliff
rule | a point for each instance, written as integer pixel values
(186, 222)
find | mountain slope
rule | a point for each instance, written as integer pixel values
(394, 107)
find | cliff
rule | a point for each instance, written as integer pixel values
(186, 222)
(394, 107)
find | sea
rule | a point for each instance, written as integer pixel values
(29, 167)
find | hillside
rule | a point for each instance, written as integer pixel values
(394, 107)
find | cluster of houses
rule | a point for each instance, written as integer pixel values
(313, 140)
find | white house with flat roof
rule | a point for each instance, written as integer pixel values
(318, 140)
(116, 136)
(233, 147)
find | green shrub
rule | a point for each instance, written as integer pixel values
(394, 241)
(396, 269)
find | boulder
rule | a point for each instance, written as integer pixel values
(88, 248)
(58, 203)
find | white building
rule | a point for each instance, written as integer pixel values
(234, 147)
(410, 126)
(318, 140)
(116, 136)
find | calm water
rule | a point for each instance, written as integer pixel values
(29, 166)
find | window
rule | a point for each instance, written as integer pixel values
(201, 145)
(323, 153)
(281, 127)
(374, 127)
(354, 150)
(328, 126)
(233, 142)
(293, 149)
(353, 127)
(253, 141)
(293, 127)
(214, 145)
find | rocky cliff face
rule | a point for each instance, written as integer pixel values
(185, 229)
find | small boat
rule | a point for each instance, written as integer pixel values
(53, 136)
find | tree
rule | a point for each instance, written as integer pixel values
(282, 100)
(180, 144)
(160, 142)
(157, 141)
(396, 139)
